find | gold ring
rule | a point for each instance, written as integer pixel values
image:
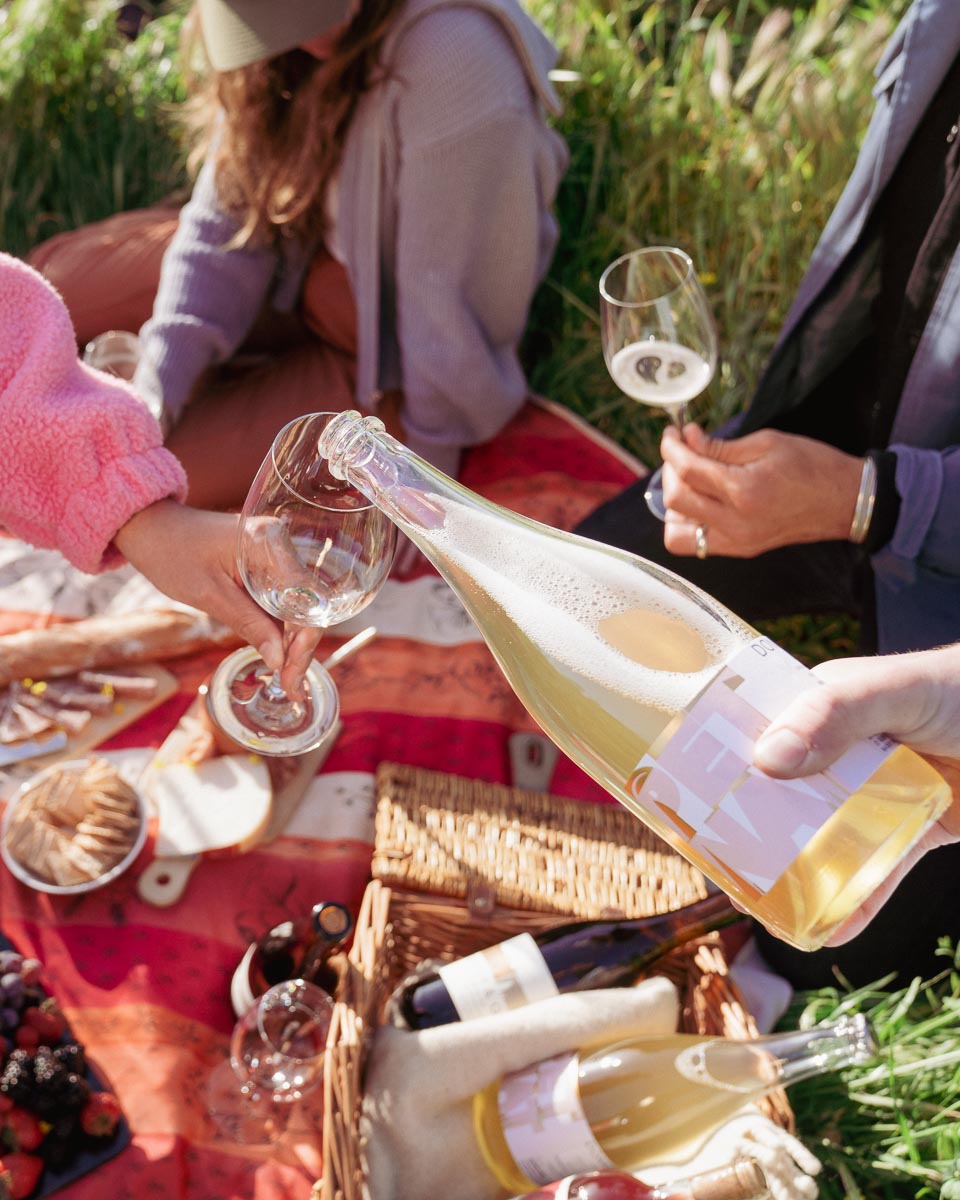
(701, 539)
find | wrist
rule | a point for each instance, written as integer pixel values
(140, 529)
(866, 498)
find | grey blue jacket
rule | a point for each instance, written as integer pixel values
(917, 574)
(445, 193)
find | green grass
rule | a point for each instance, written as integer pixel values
(724, 128)
(889, 1129)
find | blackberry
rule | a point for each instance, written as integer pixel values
(74, 1091)
(55, 1087)
(16, 1082)
(62, 1140)
(71, 1056)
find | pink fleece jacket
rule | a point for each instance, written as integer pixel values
(79, 453)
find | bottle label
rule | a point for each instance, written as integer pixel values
(699, 778)
(508, 975)
(543, 1121)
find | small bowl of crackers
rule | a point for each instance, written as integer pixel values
(73, 827)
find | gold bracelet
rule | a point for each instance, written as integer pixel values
(863, 512)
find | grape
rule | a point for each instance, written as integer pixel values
(10, 960)
(9, 1018)
(11, 990)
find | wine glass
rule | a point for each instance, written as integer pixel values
(658, 334)
(276, 1058)
(313, 551)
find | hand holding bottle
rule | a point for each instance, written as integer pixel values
(912, 697)
(417, 1121)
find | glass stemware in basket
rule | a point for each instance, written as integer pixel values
(658, 334)
(313, 552)
(276, 1058)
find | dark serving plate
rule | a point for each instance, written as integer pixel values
(87, 1158)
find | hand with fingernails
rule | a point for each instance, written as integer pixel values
(754, 493)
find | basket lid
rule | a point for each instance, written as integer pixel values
(489, 844)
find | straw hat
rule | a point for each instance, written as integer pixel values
(239, 32)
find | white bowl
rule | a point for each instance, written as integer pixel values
(25, 875)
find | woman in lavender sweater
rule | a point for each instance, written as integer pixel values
(370, 223)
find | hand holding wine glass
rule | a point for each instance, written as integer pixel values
(313, 552)
(658, 334)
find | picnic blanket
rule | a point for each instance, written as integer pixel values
(147, 989)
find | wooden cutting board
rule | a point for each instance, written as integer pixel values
(102, 726)
(165, 879)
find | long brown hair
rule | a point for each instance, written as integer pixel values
(281, 123)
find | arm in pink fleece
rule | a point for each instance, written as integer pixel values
(80, 454)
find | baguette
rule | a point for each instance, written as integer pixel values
(109, 641)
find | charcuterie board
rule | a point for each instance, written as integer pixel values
(123, 711)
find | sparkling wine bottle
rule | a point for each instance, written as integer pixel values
(567, 958)
(739, 1180)
(659, 693)
(642, 1101)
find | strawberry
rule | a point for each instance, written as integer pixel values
(101, 1114)
(46, 1019)
(19, 1174)
(26, 1038)
(20, 1130)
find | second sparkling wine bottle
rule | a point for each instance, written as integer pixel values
(567, 958)
(659, 693)
(643, 1101)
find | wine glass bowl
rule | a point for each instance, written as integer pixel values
(277, 1046)
(275, 1059)
(312, 551)
(658, 334)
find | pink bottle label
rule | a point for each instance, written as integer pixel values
(543, 1121)
(700, 780)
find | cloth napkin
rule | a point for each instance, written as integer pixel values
(416, 1124)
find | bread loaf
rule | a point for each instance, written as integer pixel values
(108, 641)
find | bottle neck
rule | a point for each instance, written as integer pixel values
(739, 1180)
(404, 486)
(808, 1052)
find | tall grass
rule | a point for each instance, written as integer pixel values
(727, 129)
(86, 125)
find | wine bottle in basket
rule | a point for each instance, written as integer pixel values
(568, 958)
(659, 693)
(739, 1180)
(641, 1101)
(296, 949)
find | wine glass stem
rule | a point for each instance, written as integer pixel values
(271, 689)
(271, 706)
(678, 415)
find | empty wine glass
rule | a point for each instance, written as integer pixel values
(276, 1058)
(313, 552)
(658, 334)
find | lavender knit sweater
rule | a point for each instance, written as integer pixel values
(446, 185)
(80, 452)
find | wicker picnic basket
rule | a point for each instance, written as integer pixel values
(460, 864)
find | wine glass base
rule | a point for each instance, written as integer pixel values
(230, 703)
(653, 494)
(249, 1120)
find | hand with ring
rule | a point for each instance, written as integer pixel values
(754, 493)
